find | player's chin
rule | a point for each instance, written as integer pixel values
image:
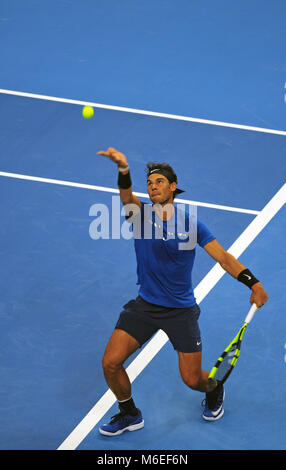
(156, 198)
(156, 201)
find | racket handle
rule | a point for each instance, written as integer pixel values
(211, 385)
(250, 314)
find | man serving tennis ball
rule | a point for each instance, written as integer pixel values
(165, 299)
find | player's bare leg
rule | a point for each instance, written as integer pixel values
(191, 372)
(197, 379)
(120, 346)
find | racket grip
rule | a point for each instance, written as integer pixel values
(211, 385)
(250, 314)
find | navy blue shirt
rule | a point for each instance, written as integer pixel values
(165, 253)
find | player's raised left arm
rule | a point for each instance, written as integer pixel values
(125, 189)
(237, 270)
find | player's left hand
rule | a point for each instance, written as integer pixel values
(259, 295)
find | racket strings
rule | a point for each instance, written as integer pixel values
(229, 357)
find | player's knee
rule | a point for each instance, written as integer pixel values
(110, 364)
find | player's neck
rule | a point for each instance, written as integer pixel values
(165, 210)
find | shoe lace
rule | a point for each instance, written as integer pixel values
(117, 417)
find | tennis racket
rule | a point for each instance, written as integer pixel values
(226, 362)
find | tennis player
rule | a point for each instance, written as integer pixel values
(165, 299)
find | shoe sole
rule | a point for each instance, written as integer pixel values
(214, 418)
(132, 427)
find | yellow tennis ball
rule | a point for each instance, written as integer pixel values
(87, 112)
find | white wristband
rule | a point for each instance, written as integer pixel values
(122, 170)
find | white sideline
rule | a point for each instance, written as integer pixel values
(159, 340)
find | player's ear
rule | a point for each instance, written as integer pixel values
(173, 186)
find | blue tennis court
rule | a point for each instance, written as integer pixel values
(61, 290)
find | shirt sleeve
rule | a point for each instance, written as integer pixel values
(204, 235)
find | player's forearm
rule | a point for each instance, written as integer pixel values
(237, 270)
(125, 188)
(244, 275)
(124, 184)
(126, 195)
(231, 265)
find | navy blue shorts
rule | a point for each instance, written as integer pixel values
(142, 320)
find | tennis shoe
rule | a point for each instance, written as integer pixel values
(213, 404)
(122, 422)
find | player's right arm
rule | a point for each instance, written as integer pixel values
(126, 195)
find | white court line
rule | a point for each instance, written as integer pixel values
(113, 190)
(159, 340)
(141, 111)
